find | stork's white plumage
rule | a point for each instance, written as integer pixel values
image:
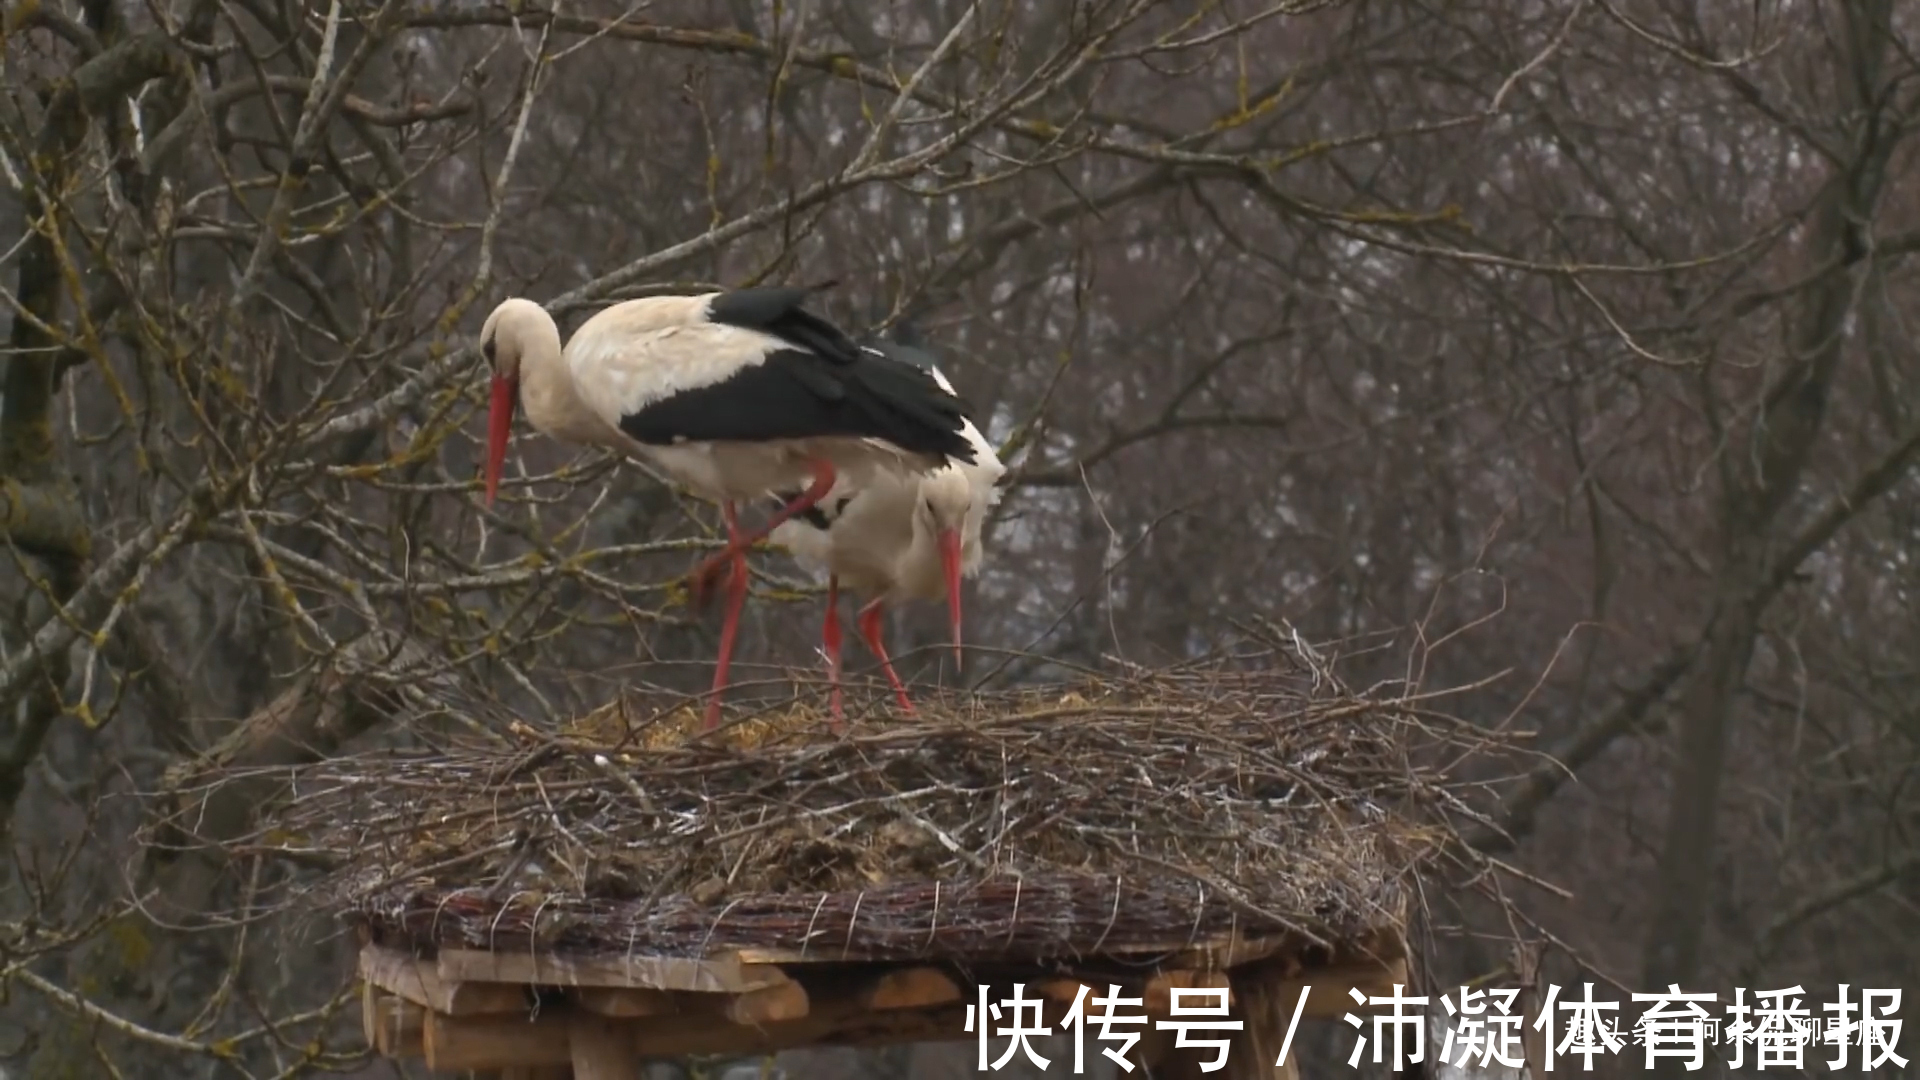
(734, 394)
(897, 536)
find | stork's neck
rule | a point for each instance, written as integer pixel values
(918, 569)
(921, 560)
(552, 401)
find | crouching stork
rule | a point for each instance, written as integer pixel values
(898, 536)
(732, 394)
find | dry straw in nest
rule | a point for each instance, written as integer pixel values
(1024, 825)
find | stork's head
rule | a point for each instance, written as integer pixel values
(516, 329)
(941, 516)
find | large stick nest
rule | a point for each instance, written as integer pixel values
(1121, 812)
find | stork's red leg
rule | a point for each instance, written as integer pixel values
(732, 557)
(737, 545)
(870, 631)
(741, 576)
(830, 642)
(729, 627)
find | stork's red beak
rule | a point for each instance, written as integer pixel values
(950, 562)
(506, 395)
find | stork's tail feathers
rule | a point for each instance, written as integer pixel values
(922, 406)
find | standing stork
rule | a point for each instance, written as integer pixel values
(733, 394)
(897, 537)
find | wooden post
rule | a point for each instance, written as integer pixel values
(602, 1050)
(1265, 1013)
(393, 1026)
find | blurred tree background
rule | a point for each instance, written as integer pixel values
(1559, 348)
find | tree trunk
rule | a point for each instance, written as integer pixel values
(1761, 477)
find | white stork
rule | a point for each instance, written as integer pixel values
(897, 537)
(733, 394)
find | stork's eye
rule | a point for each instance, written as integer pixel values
(486, 349)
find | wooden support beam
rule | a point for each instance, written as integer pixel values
(498, 1042)
(1063, 991)
(803, 956)
(1329, 998)
(840, 1022)
(393, 1026)
(624, 1002)
(454, 1010)
(602, 1049)
(911, 988)
(1160, 987)
(418, 980)
(720, 975)
(787, 1001)
(1231, 950)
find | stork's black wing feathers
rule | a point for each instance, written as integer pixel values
(903, 352)
(912, 353)
(824, 386)
(778, 312)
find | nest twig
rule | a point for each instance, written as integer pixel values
(1027, 824)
